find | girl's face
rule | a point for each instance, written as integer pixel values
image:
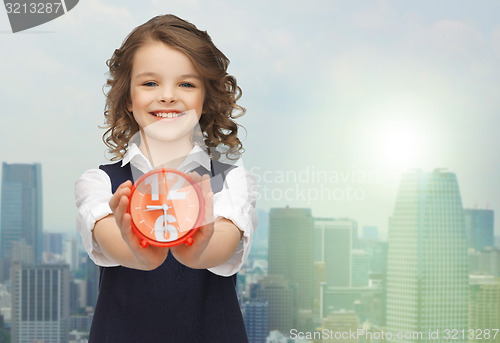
(166, 92)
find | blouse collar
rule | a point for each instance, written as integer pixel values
(196, 157)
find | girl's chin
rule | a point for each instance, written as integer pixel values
(167, 134)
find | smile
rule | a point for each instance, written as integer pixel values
(167, 114)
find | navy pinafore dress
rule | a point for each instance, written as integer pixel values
(172, 303)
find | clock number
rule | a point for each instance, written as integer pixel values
(174, 193)
(165, 232)
(153, 181)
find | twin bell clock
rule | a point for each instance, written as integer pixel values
(166, 207)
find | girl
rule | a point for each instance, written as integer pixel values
(170, 98)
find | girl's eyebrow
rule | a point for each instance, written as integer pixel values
(190, 76)
(146, 73)
(184, 76)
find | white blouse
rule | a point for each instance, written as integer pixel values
(236, 202)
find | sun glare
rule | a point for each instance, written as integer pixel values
(401, 145)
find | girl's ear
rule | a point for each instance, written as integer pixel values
(128, 102)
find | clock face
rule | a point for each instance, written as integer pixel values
(166, 208)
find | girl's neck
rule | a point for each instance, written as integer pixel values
(165, 154)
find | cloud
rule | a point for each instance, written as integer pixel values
(452, 38)
(495, 41)
(379, 16)
(96, 12)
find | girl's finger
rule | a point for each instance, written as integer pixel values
(123, 189)
(121, 210)
(127, 229)
(115, 199)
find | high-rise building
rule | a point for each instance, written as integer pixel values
(360, 268)
(335, 240)
(368, 301)
(280, 297)
(319, 283)
(92, 273)
(290, 250)
(76, 295)
(53, 242)
(3, 331)
(260, 236)
(21, 207)
(338, 326)
(22, 252)
(484, 306)
(81, 322)
(484, 262)
(378, 257)
(255, 315)
(427, 273)
(71, 254)
(40, 303)
(479, 227)
(5, 309)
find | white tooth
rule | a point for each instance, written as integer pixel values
(168, 114)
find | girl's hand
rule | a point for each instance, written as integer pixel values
(148, 258)
(188, 254)
(215, 241)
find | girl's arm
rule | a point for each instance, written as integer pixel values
(215, 242)
(210, 249)
(118, 243)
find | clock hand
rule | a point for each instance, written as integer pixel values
(165, 208)
(157, 207)
(154, 207)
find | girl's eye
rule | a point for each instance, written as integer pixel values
(187, 84)
(150, 84)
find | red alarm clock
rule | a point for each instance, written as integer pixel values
(166, 207)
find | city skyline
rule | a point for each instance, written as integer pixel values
(356, 92)
(356, 295)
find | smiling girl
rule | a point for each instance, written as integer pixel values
(171, 103)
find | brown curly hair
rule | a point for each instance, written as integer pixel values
(220, 108)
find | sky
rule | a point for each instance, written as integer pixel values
(342, 97)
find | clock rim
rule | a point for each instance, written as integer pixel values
(184, 238)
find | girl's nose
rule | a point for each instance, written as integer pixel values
(168, 96)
